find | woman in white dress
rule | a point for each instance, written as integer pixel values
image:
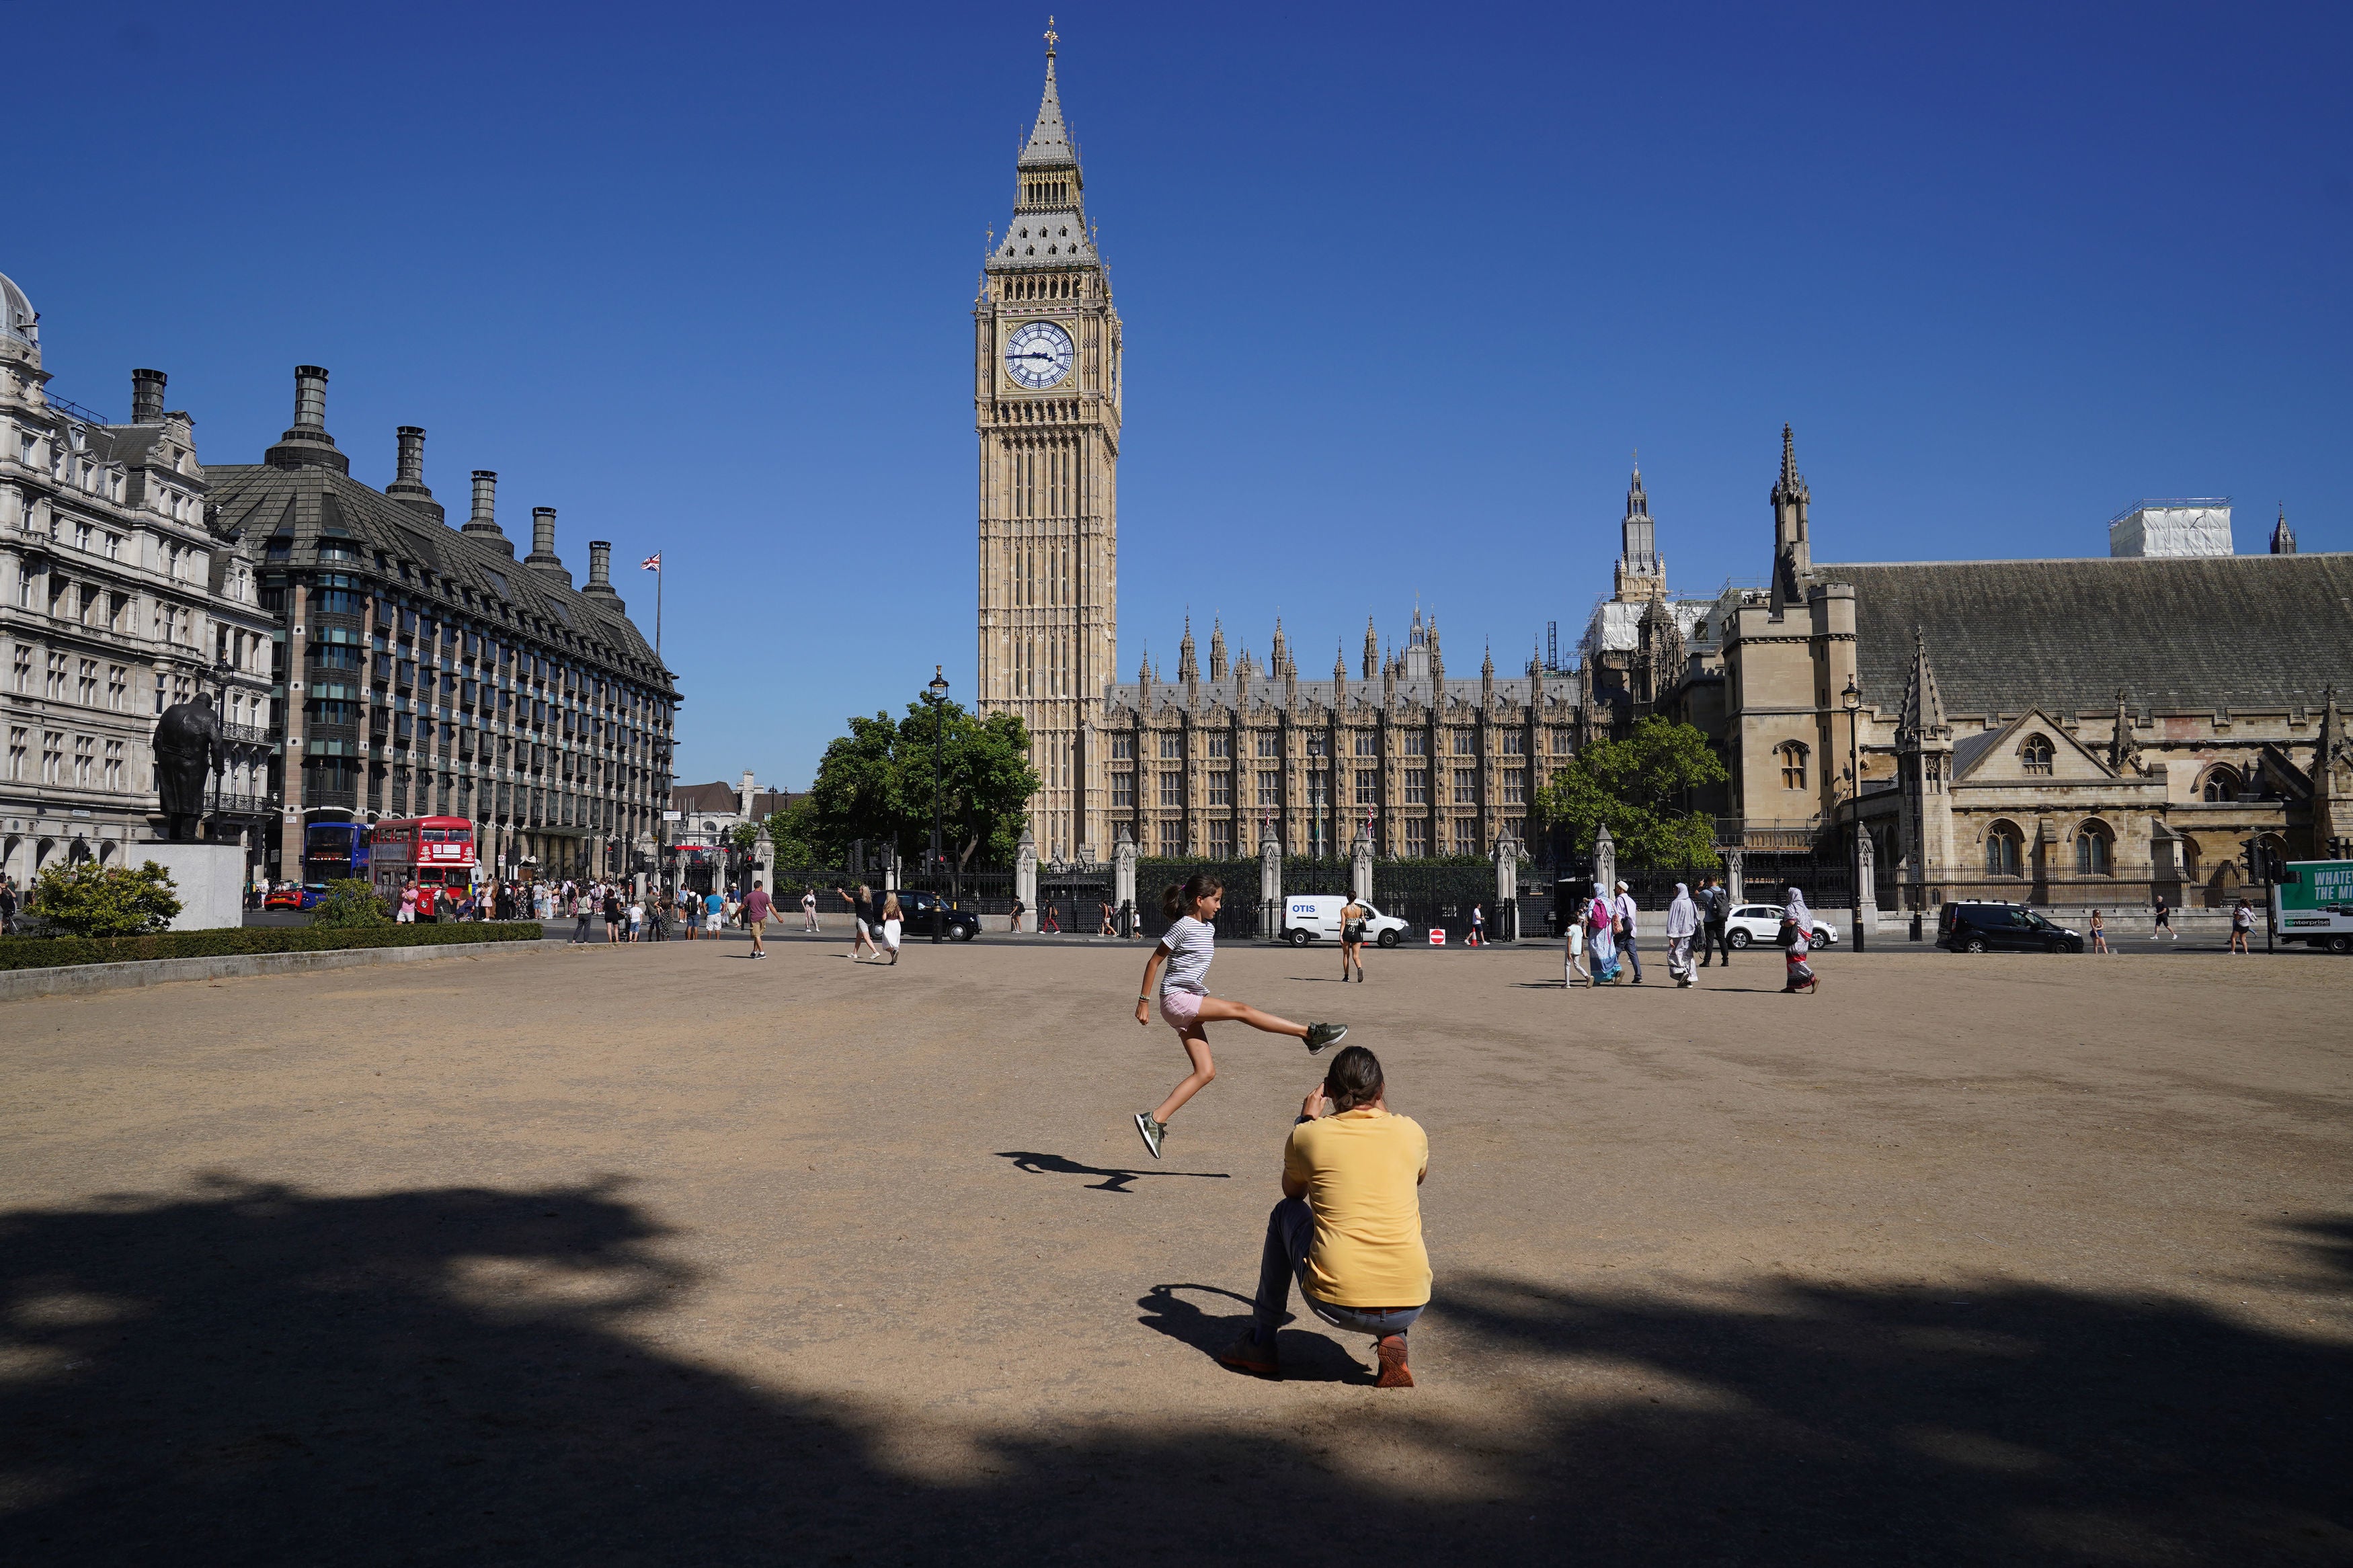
(894, 923)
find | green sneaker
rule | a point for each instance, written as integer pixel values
(1321, 1034)
(1151, 1131)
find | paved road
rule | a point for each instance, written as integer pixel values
(656, 1255)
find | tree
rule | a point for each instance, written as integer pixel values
(1640, 786)
(350, 901)
(82, 898)
(876, 784)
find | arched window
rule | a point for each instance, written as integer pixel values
(2095, 850)
(1793, 765)
(2222, 784)
(2036, 754)
(2004, 850)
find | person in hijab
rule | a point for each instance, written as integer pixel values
(1682, 924)
(1798, 927)
(1600, 945)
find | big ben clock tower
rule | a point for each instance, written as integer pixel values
(1046, 400)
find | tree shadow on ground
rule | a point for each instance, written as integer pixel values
(252, 1374)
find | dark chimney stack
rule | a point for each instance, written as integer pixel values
(147, 396)
(484, 523)
(408, 487)
(543, 542)
(600, 570)
(308, 445)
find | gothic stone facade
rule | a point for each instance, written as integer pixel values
(428, 673)
(1424, 764)
(2067, 732)
(118, 598)
(1046, 406)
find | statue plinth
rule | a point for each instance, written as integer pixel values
(207, 879)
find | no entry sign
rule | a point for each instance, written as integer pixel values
(1438, 936)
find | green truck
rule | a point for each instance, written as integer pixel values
(2313, 902)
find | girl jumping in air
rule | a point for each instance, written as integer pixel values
(1186, 1005)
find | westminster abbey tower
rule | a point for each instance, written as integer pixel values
(1045, 404)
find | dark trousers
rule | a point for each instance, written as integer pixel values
(1290, 1230)
(1712, 939)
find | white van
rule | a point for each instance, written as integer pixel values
(1311, 917)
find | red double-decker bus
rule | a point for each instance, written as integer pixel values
(437, 852)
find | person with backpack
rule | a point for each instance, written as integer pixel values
(1714, 912)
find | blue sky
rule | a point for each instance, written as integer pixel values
(1403, 288)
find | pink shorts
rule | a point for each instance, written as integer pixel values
(1180, 1010)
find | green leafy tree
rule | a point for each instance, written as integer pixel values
(85, 899)
(348, 902)
(745, 834)
(877, 782)
(1640, 787)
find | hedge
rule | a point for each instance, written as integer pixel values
(45, 952)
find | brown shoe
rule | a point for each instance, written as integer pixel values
(1395, 1373)
(1246, 1354)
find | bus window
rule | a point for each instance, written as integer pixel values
(428, 876)
(434, 835)
(461, 835)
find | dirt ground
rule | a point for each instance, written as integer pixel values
(656, 1255)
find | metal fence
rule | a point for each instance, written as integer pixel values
(1439, 896)
(1239, 918)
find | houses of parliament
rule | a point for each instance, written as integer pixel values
(1215, 758)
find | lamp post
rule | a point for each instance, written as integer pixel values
(938, 693)
(1853, 695)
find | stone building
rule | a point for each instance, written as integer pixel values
(703, 822)
(1045, 406)
(1644, 651)
(1206, 766)
(426, 671)
(119, 596)
(2069, 731)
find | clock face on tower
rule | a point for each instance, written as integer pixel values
(1037, 354)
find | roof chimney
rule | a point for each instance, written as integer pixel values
(542, 544)
(147, 396)
(600, 570)
(408, 487)
(307, 443)
(484, 523)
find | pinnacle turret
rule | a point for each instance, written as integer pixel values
(1217, 650)
(2282, 536)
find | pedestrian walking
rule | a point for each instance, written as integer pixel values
(7, 907)
(1052, 922)
(809, 908)
(1573, 940)
(1478, 926)
(1714, 910)
(2099, 933)
(1797, 941)
(1601, 939)
(714, 913)
(732, 907)
(408, 915)
(614, 915)
(1682, 924)
(1352, 940)
(758, 908)
(1018, 910)
(1186, 1005)
(892, 923)
(861, 922)
(1626, 911)
(2242, 925)
(2164, 926)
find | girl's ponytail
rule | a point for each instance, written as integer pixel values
(1179, 900)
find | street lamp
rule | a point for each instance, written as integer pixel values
(938, 691)
(1853, 695)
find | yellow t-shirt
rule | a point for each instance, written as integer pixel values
(1363, 1170)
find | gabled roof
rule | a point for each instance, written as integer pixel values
(1972, 750)
(312, 502)
(2189, 634)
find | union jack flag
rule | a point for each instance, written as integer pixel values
(651, 562)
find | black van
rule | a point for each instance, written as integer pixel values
(1975, 927)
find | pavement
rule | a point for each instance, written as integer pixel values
(656, 1255)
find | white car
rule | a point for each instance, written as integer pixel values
(1753, 923)
(1309, 916)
